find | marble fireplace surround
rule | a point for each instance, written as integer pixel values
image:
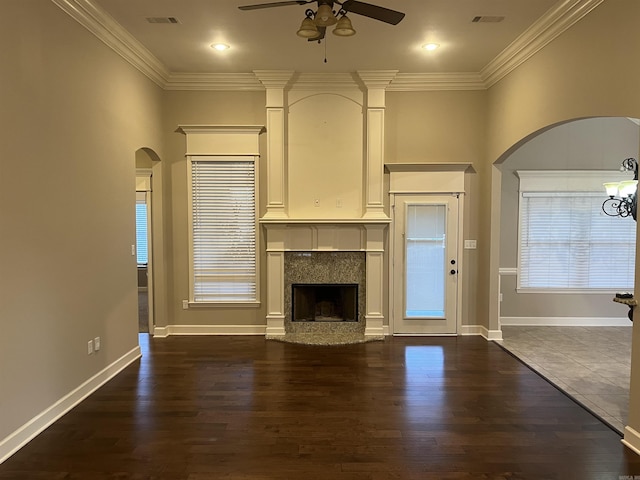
(324, 268)
(332, 251)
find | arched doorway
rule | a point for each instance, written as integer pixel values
(149, 243)
(580, 340)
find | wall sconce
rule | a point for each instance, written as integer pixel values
(623, 196)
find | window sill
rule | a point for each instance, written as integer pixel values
(568, 291)
(224, 304)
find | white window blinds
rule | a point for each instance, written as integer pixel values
(567, 242)
(224, 263)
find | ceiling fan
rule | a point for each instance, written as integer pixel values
(315, 23)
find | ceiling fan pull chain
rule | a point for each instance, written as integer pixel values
(325, 50)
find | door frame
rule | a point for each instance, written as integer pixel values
(426, 179)
(144, 178)
(398, 267)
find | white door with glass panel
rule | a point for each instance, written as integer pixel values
(425, 264)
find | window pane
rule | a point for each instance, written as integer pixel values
(141, 234)
(425, 261)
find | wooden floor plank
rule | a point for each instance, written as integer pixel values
(244, 408)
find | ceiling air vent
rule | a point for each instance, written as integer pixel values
(162, 20)
(487, 19)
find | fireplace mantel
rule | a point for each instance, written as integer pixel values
(325, 221)
(325, 235)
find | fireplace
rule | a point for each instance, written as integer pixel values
(324, 302)
(334, 253)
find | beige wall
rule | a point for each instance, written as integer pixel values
(448, 127)
(73, 114)
(203, 108)
(589, 144)
(588, 71)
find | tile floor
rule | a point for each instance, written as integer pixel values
(591, 364)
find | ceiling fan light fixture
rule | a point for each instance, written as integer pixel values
(344, 27)
(325, 16)
(308, 29)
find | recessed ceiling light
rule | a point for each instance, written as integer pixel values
(430, 46)
(221, 47)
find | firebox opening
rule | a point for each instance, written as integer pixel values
(324, 302)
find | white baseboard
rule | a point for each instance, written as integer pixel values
(482, 331)
(632, 439)
(23, 435)
(567, 321)
(161, 332)
(209, 330)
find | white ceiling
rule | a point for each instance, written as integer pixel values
(266, 39)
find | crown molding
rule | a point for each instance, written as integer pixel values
(213, 81)
(103, 26)
(414, 82)
(552, 24)
(377, 79)
(325, 81)
(274, 78)
(223, 129)
(403, 82)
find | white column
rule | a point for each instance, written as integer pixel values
(376, 83)
(375, 270)
(632, 429)
(275, 82)
(275, 236)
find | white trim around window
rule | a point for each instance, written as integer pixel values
(566, 244)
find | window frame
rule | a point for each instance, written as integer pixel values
(253, 159)
(563, 183)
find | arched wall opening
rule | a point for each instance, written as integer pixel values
(594, 144)
(151, 276)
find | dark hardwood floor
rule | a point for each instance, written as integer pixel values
(197, 408)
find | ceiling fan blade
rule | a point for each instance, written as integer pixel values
(275, 4)
(321, 33)
(373, 11)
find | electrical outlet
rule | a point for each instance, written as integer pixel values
(339, 203)
(185, 304)
(90, 347)
(96, 344)
(470, 244)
